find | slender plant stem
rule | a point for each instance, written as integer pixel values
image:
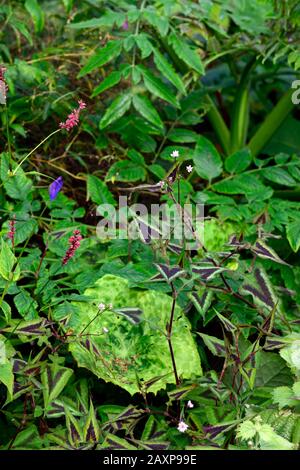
(33, 150)
(169, 335)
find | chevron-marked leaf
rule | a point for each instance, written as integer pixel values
(131, 313)
(202, 301)
(260, 288)
(54, 379)
(264, 251)
(91, 429)
(207, 271)
(215, 345)
(170, 272)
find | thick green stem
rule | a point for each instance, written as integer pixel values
(240, 117)
(219, 126)
(271, 123)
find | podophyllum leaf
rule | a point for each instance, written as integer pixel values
(144, 45)
(207, 161)
(181, 392)
(202, 300)
(104, 55)
(167, 70)
(238, 161)
(113, 442)
(98, 191)
(131, 313)
(74, 428)
(293, 234)
(54, 379)
(215, 345)
(186, 53)
(116, 110)
(227, 323)
(9, 268)
(111, 80)
(142, 349)
(264, 251)
(207, 271)
(259, 287)
(144, 106)
(91, 429)
(170, 272)
(32, 327)
(157, 87)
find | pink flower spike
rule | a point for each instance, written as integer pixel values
(73, 118)
(74, 242)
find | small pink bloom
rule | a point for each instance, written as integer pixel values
(74, 242)
(190, 404)
(125, 25)
(182, 426)
(73, 118)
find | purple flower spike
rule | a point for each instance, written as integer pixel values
(55, 187)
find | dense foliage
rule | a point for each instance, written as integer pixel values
(138, 342)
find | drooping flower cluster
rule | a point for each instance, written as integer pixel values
(3, 86)
(55, 187)
(74, 242)
(12, 230)
(73, 118)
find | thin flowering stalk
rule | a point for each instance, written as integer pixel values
(33, 150)
(71, 121)
(74, 242)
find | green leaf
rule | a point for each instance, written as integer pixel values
(144, 106)
(144, 45)
(34, 9)
(186, 53)
(98, 191)
(156, 20)
(167, 70)
(105, 55)
(91, 429)
(111, 80)
(108, 19)
(293, 234)
(26, 305)
(142, 348)
(279, 176)
(182, 135)
(238, 161)
(7, 376)
(126, 170)
(208, 163)
(215, 345)
(54, 379)
(9, 269)
(116, 110)
(157, 87)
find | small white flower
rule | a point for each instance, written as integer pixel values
(250, 443)
(101, 307)
(190, 404)
(105, 330)
(161, 184)
(182, 426)
(175, 154)
(110, 306)
(189, 168)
